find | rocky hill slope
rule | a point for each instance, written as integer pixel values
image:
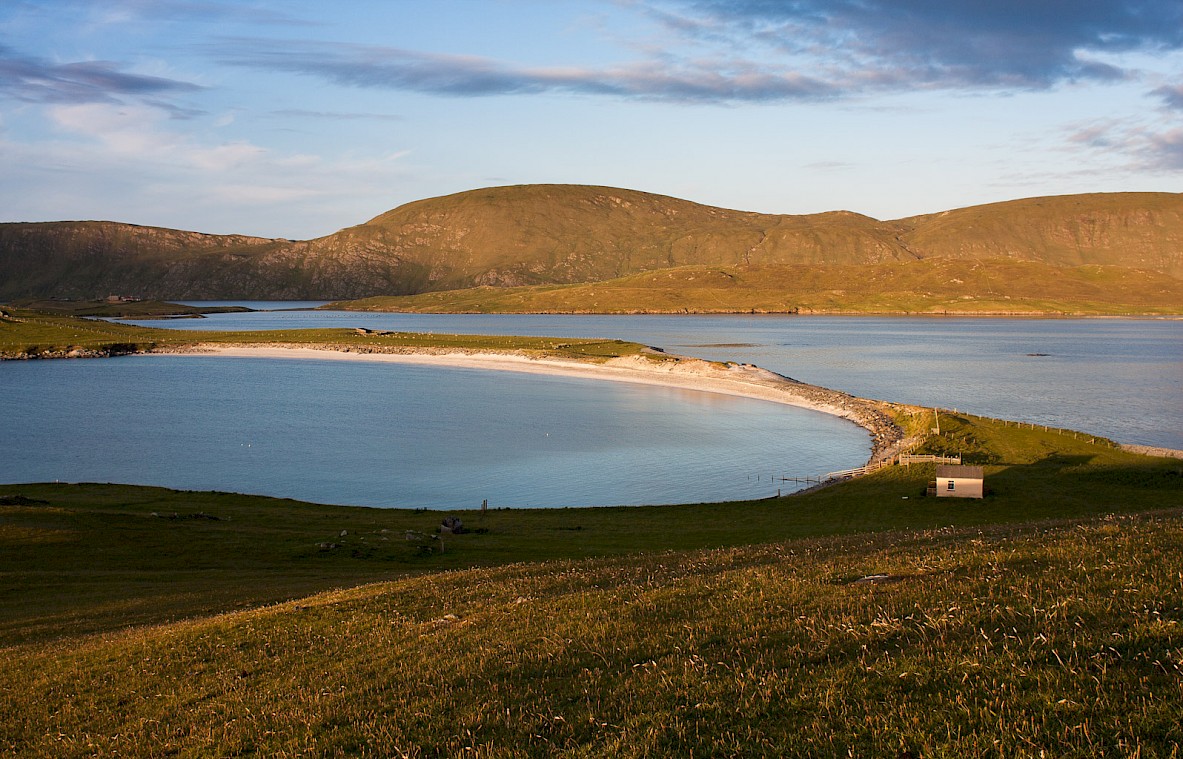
(564, 234)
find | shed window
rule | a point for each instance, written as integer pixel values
(952, 485)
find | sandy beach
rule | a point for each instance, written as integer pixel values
(681, 372)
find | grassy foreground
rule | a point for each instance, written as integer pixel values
(1045, 618)
(1048, 639)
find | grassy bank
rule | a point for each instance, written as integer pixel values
(26, 333)
(122, 309)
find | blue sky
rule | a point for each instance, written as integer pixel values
(294, 119)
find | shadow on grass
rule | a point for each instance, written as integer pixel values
(1158, 477)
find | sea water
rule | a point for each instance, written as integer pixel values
(1120, 378)
(392, 435)
(402, 436)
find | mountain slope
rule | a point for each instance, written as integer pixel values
(87, 259)
(1138, 230)
(568, 234)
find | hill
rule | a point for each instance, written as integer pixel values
(569, 234)
(94, 259)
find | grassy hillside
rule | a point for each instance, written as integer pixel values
(570, 234)
(930, 286)
(1054, 639)
(94, 259)
(1138, 230)
(507, 236)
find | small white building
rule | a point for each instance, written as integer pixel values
(956, 481)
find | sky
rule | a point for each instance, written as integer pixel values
(296, 118)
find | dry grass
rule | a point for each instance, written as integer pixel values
(1048, 639)
(933, 286)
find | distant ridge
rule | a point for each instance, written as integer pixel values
(570, 234)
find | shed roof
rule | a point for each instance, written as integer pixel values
(959, 471)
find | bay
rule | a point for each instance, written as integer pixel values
(401, 436)
(388, 435)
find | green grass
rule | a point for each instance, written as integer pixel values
(30, 333)
(136, 309)
(1049, 639)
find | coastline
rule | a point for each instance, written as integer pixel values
(666, 370)
(688, 311)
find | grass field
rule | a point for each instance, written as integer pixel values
(1055, 638)
(1043, 620)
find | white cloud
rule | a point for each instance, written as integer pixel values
(226, 156)
(127, 130)
(139, 133)
(257, 194)
(101, 159)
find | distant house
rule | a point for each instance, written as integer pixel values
(956, 481)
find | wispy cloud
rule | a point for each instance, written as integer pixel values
(737, 51)
(135, 133)
(1165, 149)
(190, 11)
(1142, 147)
(456, 75)
(335, 115)
(33, 79)
(1172, 97)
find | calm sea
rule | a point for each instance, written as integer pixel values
(405, 436)
(1122, 378)
(390, 435)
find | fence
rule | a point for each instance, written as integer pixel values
(907, 459)
(859, 471)
(1076, 434)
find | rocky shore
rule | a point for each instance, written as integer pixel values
(104, 351)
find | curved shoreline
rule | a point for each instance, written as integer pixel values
(666, 370)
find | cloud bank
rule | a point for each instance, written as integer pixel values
(968, 43)
(745, 51)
